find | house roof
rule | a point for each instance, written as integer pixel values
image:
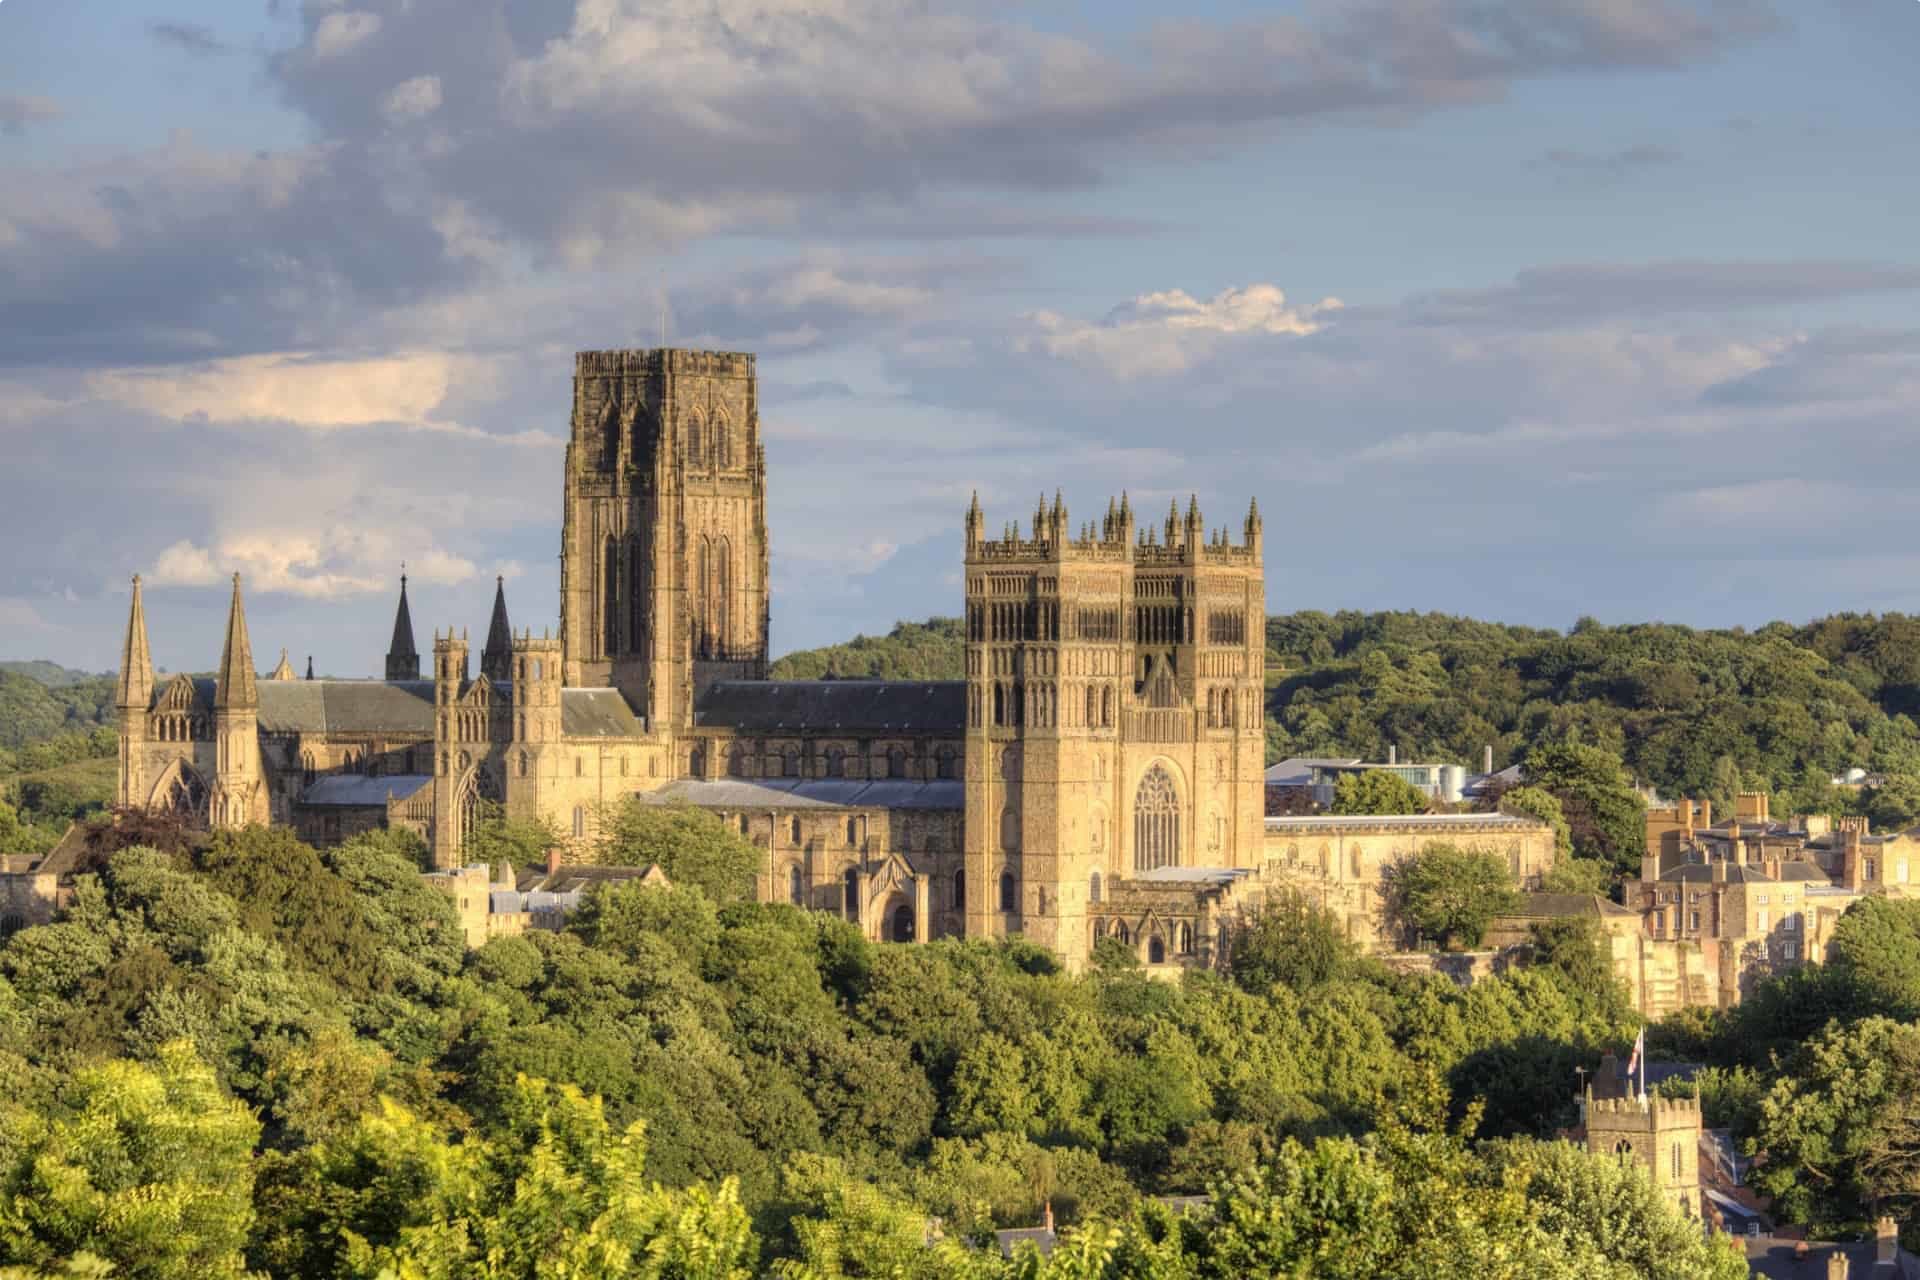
(352, 791)
(829, 706)
(807, 793)
(1297, 771)
(1701, 873)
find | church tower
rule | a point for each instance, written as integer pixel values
(1114, 719)
(403, 659)
(133, 697)
(238, 796)
(663, 573)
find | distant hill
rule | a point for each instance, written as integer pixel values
(1690, 711)
(32, 710)
(52, 674)
(930, 650)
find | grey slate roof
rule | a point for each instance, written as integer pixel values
(799, 793)
(1701, 873)
(350, 790)
(1436, 821)
(1297, 771)
(843, 706)
(598, 713)
(347, 706)
(1187, 875)
(1554, 905)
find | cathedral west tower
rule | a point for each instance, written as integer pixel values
(663, 576)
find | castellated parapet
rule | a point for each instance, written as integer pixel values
(1661, 1134)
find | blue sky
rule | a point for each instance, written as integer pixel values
(1523, 311)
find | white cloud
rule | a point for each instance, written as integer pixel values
(333, 564)
(339, 32)
(288, 387)
(1165, 333)
(18, 615)
(412, 99)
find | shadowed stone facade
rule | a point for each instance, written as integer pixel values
(1100, 765)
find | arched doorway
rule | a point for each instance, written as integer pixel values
(1156, 950)
(900, 924)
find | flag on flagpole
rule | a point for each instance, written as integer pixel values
(1637, 1060)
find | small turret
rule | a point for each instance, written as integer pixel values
(1173, 522)
(1253, 525)
(283, 670)
(976, 523)
(496, 659)
(403, 659)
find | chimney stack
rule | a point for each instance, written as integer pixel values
(553, 860)
(1393, 754)
(1486, 759)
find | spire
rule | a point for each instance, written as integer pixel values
(976, 523)
(136, 661)
(1193, 509)
(403, 660)
(236, 687)
(284, 671)
(309, 666)
(496, 659)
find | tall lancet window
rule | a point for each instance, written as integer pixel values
(723, 596)
(610, 601)
(1156, 821)
(636, 596)
(695, 431)
(722, 441)
(703, 613)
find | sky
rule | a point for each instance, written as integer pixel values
(1526, 311)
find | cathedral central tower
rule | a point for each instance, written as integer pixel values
(663, 563)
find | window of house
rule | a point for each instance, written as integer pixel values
(1789, 951)
(1900, 871)
(853, 831)
(1760, 921)
(1790, 922)
(1693, 921)
(1870, 869)
(579, 822)
(1760, 899)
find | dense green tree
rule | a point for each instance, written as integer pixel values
(1377, 791)
(1449, 895)
(501, 841)
(1894, 804)
(145, 1166)
(1289, 941)
(1874, 956)
(1606, 816)
(693, 846)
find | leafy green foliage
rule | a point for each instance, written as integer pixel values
(1292, 942)
(1376, 791)
(146, 1167)
(693, 846)
(1449, 895)
(1605, 816)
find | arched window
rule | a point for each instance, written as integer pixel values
(1120, 932)
(790, 762)
(703, 606)
(1106, 708)
(850, 893)
(1093, 888)
(609, 437)
(947, 761)
(1156, 950)
(579, 822)
(999, 704)
(836, 763)
(796, 831)
(1009, 831)
(523, 764)
(903, 923)
(853, 832)
(746, 824)
(736, 761)
(796, 887)
(1156, 821)
(722, 441)
(896, 763)
(623, 766)
(579, 766)
(959, 891)
(1009, 892)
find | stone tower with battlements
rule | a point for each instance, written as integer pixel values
(1661, 1134)
(663, 563)
(1115, 723)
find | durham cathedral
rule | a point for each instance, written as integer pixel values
(1097, 774)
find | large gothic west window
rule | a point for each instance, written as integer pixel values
(1156, 821)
